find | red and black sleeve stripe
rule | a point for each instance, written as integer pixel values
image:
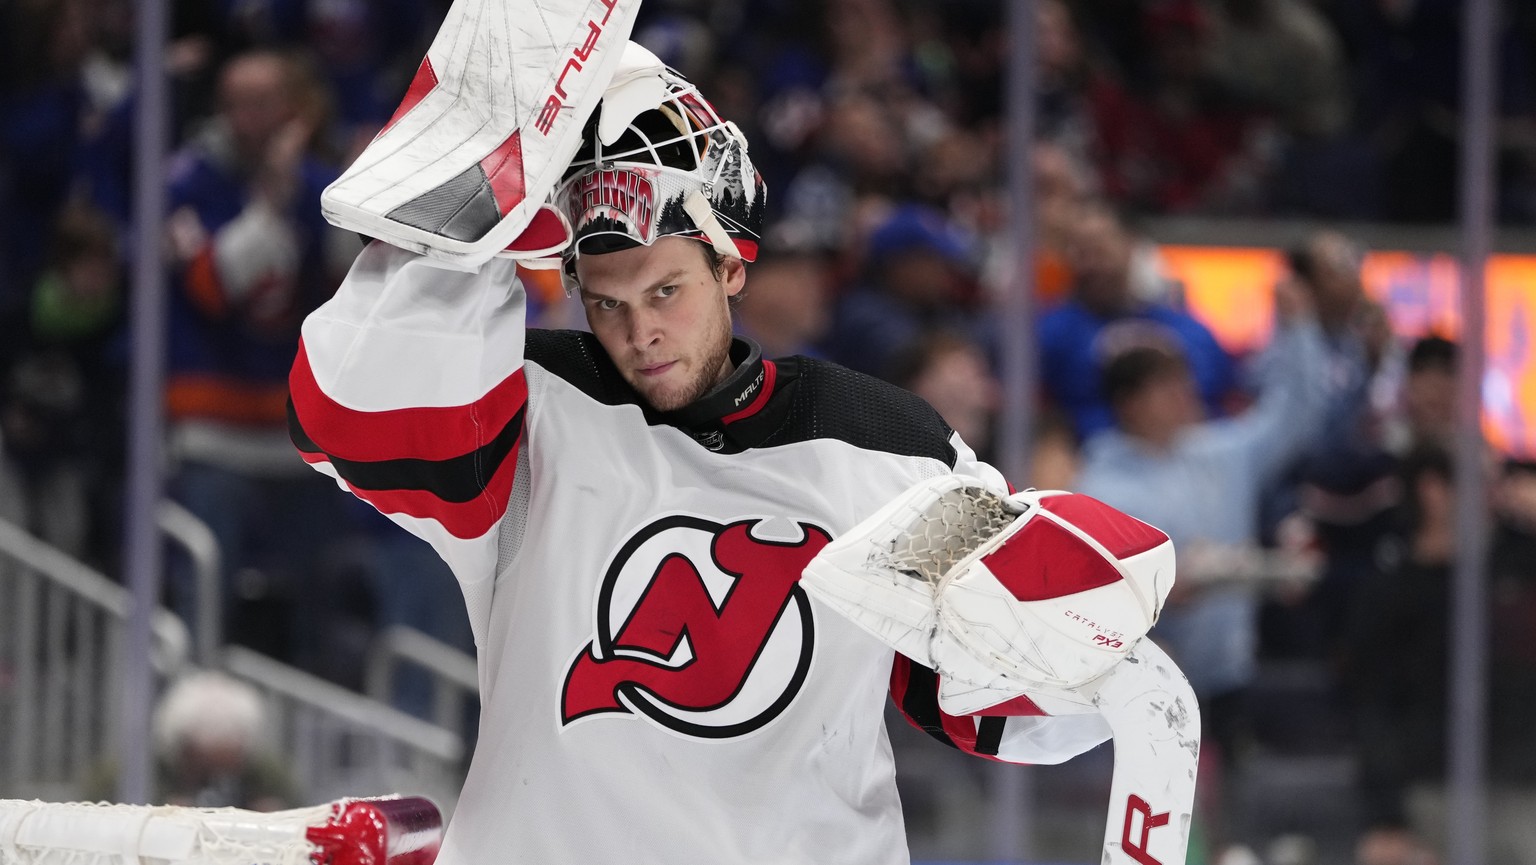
(915, 688)
(451, 464)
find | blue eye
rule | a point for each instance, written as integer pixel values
(666, 290)
(607, 304)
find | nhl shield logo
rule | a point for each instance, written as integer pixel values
(702, 628)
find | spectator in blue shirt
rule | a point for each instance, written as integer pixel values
(1200, 481)
(252, 259)
(1103, 317)
(920, 267)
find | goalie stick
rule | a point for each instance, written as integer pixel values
(1155, 721)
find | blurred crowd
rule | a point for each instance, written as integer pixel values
(1307, 487)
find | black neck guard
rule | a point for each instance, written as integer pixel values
(730, 396)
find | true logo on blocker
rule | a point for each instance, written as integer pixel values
(702, 628)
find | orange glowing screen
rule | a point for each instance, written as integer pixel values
(1228, 289)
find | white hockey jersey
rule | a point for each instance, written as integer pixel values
(656, 687)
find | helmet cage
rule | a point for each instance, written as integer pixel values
(676, 169)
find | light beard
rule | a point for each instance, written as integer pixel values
(709, 373)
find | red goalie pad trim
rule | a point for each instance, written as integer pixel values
(1020, 706)
(546, 231)
(1043, 561)
(504, 170)
(422, 83)
(1123, 535)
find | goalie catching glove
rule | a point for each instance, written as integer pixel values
(1038, 592)
(1045, 595)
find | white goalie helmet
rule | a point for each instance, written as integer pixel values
(656, 160)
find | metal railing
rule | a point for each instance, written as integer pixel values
(61, 628)
(339, 743)
(187, 531)
(454, 680)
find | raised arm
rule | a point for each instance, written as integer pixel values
(1293, 395)
(409, 390)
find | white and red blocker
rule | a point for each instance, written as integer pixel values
(1060, 595)
(486, 130)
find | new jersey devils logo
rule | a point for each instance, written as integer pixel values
(701, 627)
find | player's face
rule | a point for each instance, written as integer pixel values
(1165, 406)
(663, 316)
(1100, 254)
(254, 101)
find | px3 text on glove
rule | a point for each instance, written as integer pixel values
(1044, 590)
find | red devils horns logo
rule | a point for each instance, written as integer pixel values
(701, 628)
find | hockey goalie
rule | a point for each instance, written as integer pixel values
(694, 573)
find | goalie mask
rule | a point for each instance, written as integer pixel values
(657, 161)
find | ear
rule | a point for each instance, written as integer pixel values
(733, 275)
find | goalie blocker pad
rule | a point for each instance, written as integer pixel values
(488, 125)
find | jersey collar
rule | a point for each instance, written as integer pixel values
(739, 395)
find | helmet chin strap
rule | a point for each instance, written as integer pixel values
(698, 209)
